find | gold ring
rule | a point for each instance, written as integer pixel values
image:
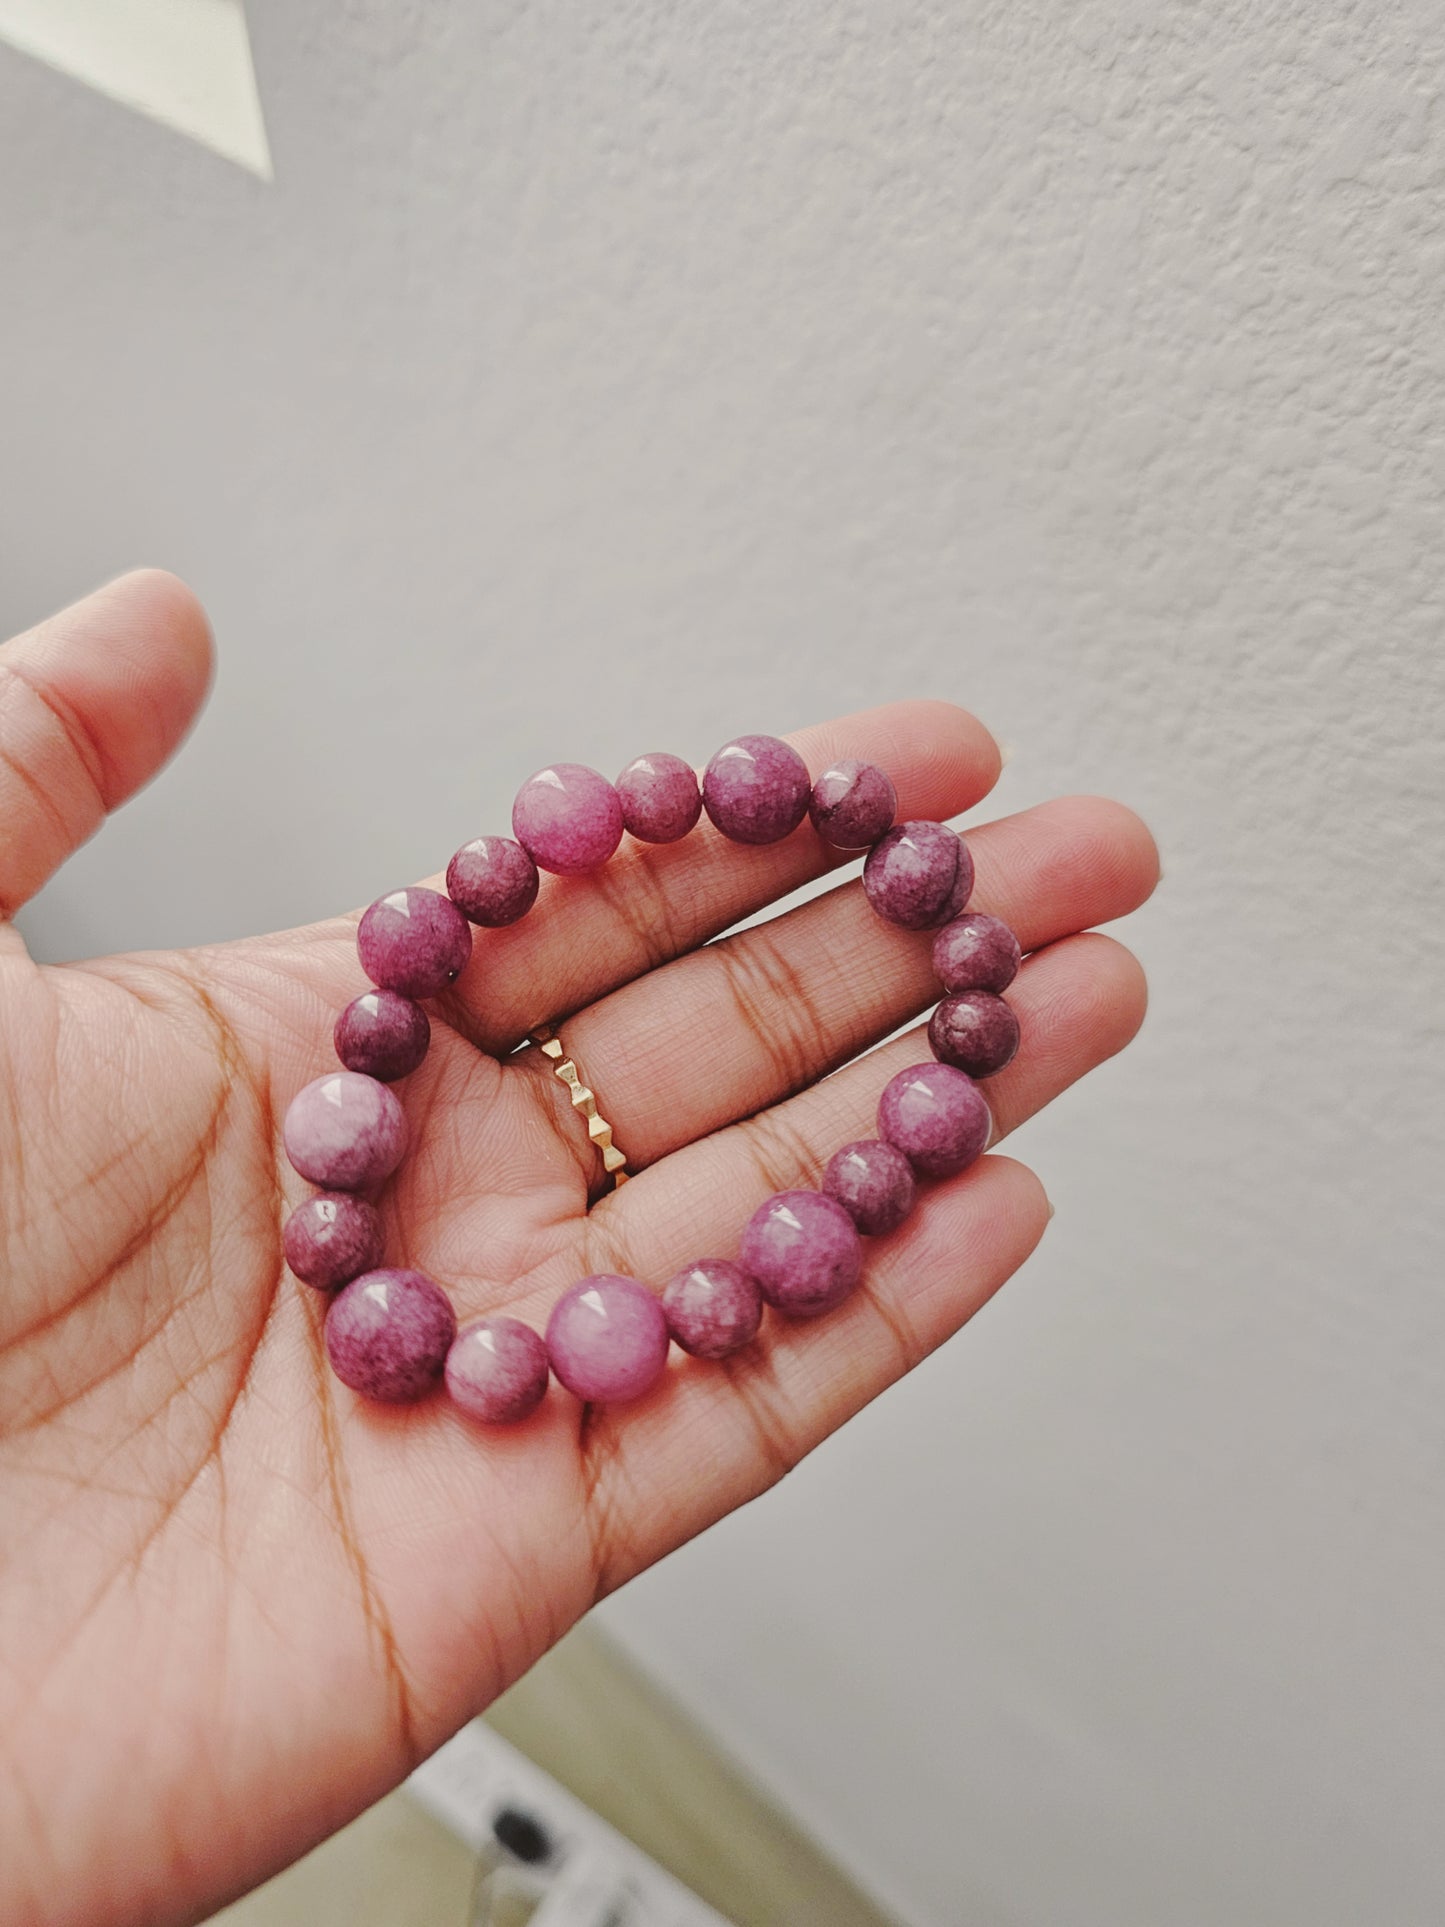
(614, 1160)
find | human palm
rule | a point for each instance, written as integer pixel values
(236, 1602)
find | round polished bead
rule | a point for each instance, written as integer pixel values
(492, 881)
(497, 1370)
(874, 1183)
(568, 819)
(713, 1308)
(919, 875)
(415, 941)
(976, 952)
(756, 789)
(975, 1031)
(345, 1131)
(332, 1238)
(803, 1250)
(660, 797)
(853, 804)
(936, 1117)
(382, 1034)
(388, 1334)
(607, 1339)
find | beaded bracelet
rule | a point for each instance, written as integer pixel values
(391, 1333)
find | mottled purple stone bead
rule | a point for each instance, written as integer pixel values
(874, 1183)
(803, 1250)
(492, 881)
(756, 789)
(497, 1370)
(345, 1131)
(936, 1117)
(976, 952)
(975, 1031)
(568, 819)
(713, 1308)
(388, 1334)
(919, 875)
(414, 941)
(660, 797)
(332, 1238)
(382, 1034)
(607, 1339)
(853, 804)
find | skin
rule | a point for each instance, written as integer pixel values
(236, 1603)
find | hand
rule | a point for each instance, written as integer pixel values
(237, 1603)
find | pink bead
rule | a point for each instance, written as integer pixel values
(975, 1031)
(345, 1131)
(388, 1334)
(919, 875)
(976, 952)
(492, 881)
(756, 789)
(874, 1183)
(803, 1250)
(853, 804)
(607, 1339)
(660, 797)
(713, 1308)
(415, 941)
(568, 819)
(936, 1117)
(332, 1238)
(497, 1370)
(382, 1034)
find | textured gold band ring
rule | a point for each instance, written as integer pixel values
(614, 1160)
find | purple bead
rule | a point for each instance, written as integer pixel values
(345, 1131)
(874, 1184)
(607, 1339)
(756, 789)
(976, 952)
(388, 1334)
(568, 819)
(975, 1031)
(919, 875)
(660, 797)
(415, 941)
(803, 1250)
(492, 881)
(332, 1238)
(712, 1308)
(936, 1117)
(497, 1370)
(853, 804)
(382, 1034)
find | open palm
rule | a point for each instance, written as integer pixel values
(236, 1602)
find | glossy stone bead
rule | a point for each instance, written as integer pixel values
(382, 1034)
(332, 1238)
(607, 1339)
(975, 1031)
(976, 952)
(568, 819)
(345, 1131)
(936, 1117)
(492, 881)
(414, 941)
(803, 1249)
(853, 804)
(874, 1183)
(919, 875)
(660, 797)
(388, 1334)
(713, 1308)
(497, 1370)
(756, 789)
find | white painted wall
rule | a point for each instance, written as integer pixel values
(593, 378)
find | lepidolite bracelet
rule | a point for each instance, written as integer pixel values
(391, 1333)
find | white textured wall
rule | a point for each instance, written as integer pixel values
(599, 377)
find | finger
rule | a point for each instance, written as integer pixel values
(92, 702)
(588, 934)
(721, 1033)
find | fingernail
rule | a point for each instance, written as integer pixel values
(1005, 754)
(1050, 1203)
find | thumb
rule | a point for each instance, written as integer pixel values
(92, 702)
